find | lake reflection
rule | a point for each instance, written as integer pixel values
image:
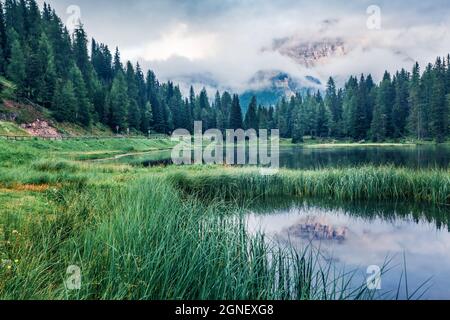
(294, 157)
(297, 157)
(357, 238)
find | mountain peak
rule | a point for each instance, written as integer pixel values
(310, 53)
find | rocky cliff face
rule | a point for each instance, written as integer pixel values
(310, 53)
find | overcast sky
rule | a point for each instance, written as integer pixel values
(225, 39)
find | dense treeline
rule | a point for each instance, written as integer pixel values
(406, 105)
(53, 68)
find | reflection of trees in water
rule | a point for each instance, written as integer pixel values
(312, 229)
(369, 210)
(412, 157)
(310, 158)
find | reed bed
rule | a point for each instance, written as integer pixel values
(146, 242)
(349, 184)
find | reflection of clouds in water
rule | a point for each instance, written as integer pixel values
(369, 242)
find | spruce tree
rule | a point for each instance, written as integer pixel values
(382, 127)
(16, 71)
(351, 112)
(262, 118)
(117, 64)
(65, 102)
(251, 118)
(220, 117)
(332, 103)
(134, 115)
(84, 106)
(118, 103)
(47, 72)
(147, 118)
(299, 124)
(3, 42)
(235, 121)
(438, 104)
(226, 103)
(282, 114)
(415, 119)
(82, 60)
(322, 117)
(401, 109)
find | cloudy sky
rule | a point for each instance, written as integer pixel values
(227, 41)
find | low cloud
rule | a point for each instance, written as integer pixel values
(225, 43)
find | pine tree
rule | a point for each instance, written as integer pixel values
(84, 106)
(15, 14)
(202, 110)
(47, 72)
(235, 121)
(226, 102)
(65, 102)
(82, 60)
(141, 88)
(117, 64)
(147, 118)
(378, 128)
(401, 109)
(382, 127)
(332, 103)
(159, 116)
(426, 89)
(322, 117)
(3, 42)
(351, 110)
(251, 118)
(134, 112)
(16, 68)
(361, 121)
(415, 120)
(118, 103)
(299, 124)
(134, 115)
(220, 117)
(188, 121)
(99, 102)
(193, 104)
(262, 118)
(438, 104)
(102, 62)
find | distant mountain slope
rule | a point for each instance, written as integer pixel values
(310, 53)
(270, 87)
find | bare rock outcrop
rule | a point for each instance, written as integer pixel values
(40, 128)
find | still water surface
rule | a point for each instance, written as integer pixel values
(296, 157)
(357, 236)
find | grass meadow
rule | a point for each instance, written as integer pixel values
(168, 232)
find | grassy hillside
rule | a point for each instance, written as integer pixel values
(11, 128)
(15, 114)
